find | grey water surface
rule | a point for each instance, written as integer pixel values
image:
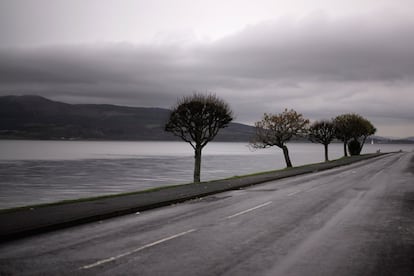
(33, 172)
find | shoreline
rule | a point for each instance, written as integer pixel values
(262, 173)
(28, 220)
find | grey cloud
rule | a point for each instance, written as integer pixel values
(353, 50)
(320, 67)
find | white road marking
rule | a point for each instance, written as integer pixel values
(111, 259)
(249, 210)
(294, 193)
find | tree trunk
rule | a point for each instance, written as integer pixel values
(362, 144)
(287, 158)
(345, 152)
(197, 164)
(326, 153)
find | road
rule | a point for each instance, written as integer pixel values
(352, 220)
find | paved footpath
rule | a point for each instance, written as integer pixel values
(36, 219)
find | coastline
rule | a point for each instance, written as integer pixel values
(28, 220)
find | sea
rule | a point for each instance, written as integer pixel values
(34, 172)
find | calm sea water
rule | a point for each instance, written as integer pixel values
(34, 172)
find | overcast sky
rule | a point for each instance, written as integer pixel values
(321, 58)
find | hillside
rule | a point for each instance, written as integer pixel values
(34, 117)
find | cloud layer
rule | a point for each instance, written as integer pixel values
(319, 66)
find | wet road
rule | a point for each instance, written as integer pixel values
(354, 220)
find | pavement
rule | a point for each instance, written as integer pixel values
(31, 220)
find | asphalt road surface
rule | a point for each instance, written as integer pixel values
(353, 220)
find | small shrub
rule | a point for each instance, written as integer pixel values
(354, 147)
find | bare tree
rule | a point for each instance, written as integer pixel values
(196, 120)
(278, 129)
(322, 132)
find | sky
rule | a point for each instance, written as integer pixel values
(322, 57)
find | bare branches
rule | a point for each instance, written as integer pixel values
(322, 132)
(197, 120)
(276, 130)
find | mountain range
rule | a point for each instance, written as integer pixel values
(35, 117)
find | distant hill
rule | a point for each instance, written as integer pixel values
(384, 140)
(35, 117)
